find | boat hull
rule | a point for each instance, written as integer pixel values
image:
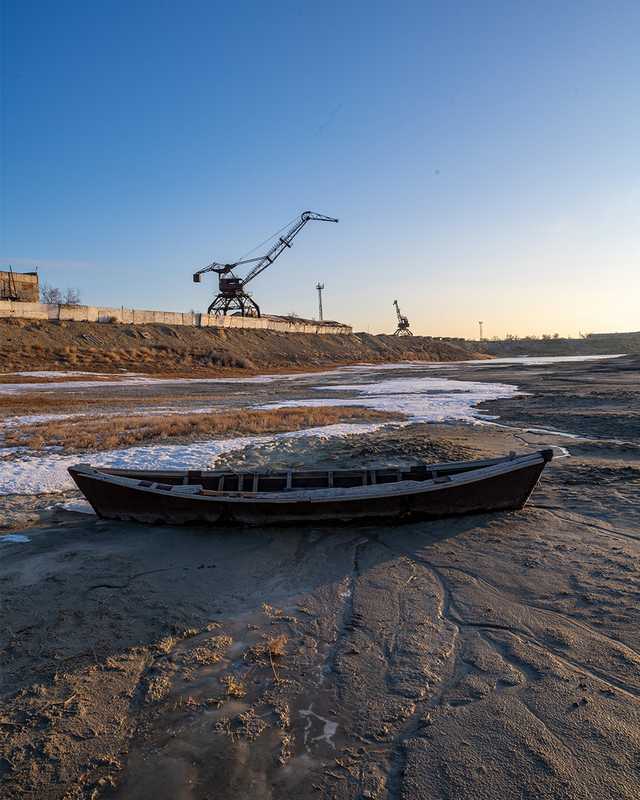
(507, 490)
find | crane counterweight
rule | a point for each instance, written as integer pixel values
(232, 296)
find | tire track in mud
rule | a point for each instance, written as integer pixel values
(397, 753)
(633, 693)
(493, 589)
(384, 761)
(583, 521)
(532, 675)
(451, 613)
(346, 624)
(576, 666)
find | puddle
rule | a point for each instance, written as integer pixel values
(329, 728)
(16, 538)
(198, 741)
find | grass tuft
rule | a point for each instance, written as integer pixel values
(234, 686)
(107, 433)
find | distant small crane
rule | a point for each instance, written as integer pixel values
(320, 287)
(403, 322)
(231, 289)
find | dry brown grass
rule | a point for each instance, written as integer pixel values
(49, 403)
(152, 357)
(235, 687)
(276, 645)
(106, 433)
(271, 647)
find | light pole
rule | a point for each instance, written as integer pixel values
(480, 325)
(320, 287)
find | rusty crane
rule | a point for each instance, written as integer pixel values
(403, 322)
(232, 296)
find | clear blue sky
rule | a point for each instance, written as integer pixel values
(483, 157)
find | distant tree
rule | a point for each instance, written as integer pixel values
(556, 335)
(50, 294)
(72, 297)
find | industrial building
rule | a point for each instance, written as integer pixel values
(20, 287)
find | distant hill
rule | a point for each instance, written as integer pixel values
(594, 344)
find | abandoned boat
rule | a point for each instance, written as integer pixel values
(428, 491)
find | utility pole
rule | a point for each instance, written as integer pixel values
(480, 324)
(320, 287)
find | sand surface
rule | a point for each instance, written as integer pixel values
(494, 656)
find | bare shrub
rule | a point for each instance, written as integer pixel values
(50, 294)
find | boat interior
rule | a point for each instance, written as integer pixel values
(279, 481)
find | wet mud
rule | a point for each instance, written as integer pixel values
(493, 656)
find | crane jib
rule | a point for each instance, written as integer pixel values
(230, 290)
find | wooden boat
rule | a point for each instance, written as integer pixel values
(426, 491)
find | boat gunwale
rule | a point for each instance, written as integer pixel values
(267, 473)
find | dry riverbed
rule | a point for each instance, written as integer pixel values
(492, 656)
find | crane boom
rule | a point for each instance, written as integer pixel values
(231, 293)
(395, 303)
(284, 242)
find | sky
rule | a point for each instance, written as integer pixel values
(483, 157)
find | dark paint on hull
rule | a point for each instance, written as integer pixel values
(501, 492)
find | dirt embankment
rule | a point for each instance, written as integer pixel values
(597, 344)
(108, 347)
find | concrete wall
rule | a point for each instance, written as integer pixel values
(134, 316)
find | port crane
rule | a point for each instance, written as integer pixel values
(232, 296)
(403, 322)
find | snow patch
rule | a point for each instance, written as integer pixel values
(47, 474)
(77, 506)
(420, 399)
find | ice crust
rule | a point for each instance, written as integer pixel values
(421, 399)
(132, 378)
(48, 474)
